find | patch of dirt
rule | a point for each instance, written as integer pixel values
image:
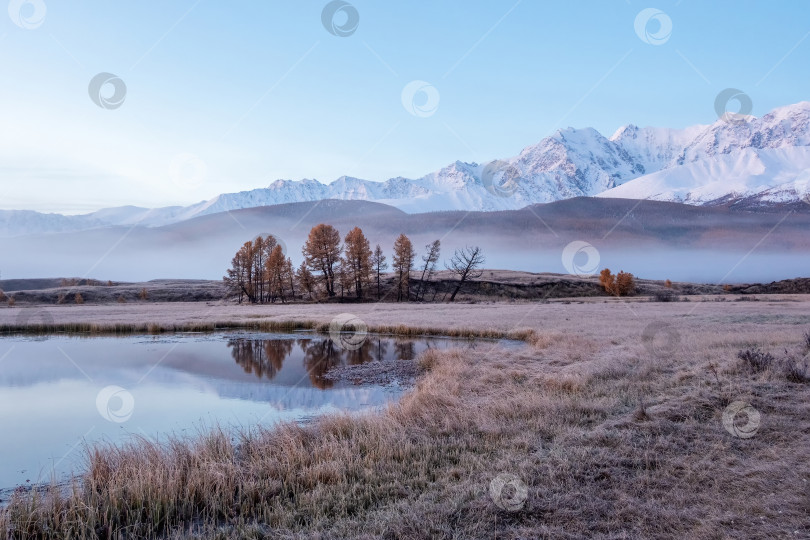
(391, 373)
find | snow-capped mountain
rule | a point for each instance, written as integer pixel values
(758, 176)
(761, 160)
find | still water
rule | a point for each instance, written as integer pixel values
(58, 393)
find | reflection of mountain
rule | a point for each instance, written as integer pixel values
(263, 358)
(284, 398)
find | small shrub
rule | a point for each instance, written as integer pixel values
(756, 360)
(641, 413)
(60, 298)
(664, 295)
(668, 284)
(143, 295)
(11, 301)
(428, 359)
(3, 296)
(796, 371)
(121, 299)
(727, 287)
(79, 299)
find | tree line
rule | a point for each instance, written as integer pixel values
(260, 271)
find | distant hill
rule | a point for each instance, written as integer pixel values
(652, 239)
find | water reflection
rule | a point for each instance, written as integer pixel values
(265, 358)
(404, 349)
(180, 383)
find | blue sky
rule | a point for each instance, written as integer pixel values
(224, 97)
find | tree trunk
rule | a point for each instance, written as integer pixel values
(455, 292)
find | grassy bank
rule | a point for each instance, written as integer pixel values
(572, 436)
(258, 326)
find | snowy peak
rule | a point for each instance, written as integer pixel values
(753, 175)
(783, 127)
(763, 159)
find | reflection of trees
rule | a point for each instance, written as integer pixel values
(263, 358)
(322, 355)
(319, 357)
(303, 343)
(361, 355)
(379, 348)
(404, 349)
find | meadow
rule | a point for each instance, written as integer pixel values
(617, 419)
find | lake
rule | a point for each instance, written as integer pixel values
(59, 392)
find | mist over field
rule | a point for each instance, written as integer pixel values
(654, 240)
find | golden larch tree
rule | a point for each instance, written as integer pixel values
(274, 270)
(404, 256)
(357, 259)
(322, 253)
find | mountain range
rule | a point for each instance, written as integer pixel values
(752, 162)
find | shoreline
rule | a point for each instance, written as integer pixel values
(607, 410)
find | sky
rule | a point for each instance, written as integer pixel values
(203, 97)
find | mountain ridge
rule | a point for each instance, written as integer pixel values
(758, 162)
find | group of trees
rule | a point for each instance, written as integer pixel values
(333, 266)
(353, 267)
(260, 271)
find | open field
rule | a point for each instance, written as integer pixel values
(493, 285)
(617, 420)
(576, 316)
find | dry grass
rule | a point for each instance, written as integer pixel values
(611, 438)
(262, 326)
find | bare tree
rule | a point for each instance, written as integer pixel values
(289, 272)
(466, 264)
(430, 259)
(378, 265)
